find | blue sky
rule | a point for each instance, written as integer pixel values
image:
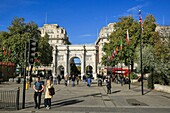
(81, 18)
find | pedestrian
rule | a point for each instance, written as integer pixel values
(73, 80)
(51, 78)
(38, 89)
(59, 79)
(89, 81)
(54, 80)
(78, 79)
(47, 100)
(108, 85)
(66, 80)
(84, 78)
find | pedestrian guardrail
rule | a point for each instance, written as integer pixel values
(9, 99)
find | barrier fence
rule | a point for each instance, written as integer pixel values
(9, 99)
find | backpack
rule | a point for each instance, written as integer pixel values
(51, 91)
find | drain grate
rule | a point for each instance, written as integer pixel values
(135, 104)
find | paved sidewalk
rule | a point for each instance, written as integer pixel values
(83, 99)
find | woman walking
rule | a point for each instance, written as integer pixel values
(47, 100)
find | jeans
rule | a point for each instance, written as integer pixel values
(47, 102)
(37, 94)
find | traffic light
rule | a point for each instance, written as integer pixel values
(33, 47)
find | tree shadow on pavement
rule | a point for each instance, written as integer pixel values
(67, 102)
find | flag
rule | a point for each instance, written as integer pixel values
(9, 52)
(140, 16)
(117, 49)
(121, 45)
(140, 20)
(127, 38)
(108, 58)
(113, 55)
(4, 51)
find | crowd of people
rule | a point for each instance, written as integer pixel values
(41, 87)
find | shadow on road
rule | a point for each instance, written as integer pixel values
(116, 91)
(63, 102)
(148, 91)
(67, 102)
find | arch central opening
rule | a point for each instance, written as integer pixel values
(75, 66)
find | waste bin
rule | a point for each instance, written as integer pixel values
(26, 86)
(99, 82)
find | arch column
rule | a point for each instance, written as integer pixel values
(54, 62)
(83, 62)
(95, 66)
(66, 63)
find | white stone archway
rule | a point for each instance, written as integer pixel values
(69, 61)
(86, 53)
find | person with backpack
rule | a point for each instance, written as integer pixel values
(49, 92)
(38, 89)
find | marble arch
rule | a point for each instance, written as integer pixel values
(62, 54)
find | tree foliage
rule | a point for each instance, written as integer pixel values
(45, 51)
(128, 53)
(13, 41)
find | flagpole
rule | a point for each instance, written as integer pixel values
(128, 57)
(141, 51)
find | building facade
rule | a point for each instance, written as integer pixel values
(63, 52)
(163, 31)
(105, 32)
(57, 34)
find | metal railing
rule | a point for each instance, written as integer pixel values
(9, 99)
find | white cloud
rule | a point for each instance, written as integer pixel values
(86, 35)
(135, 8)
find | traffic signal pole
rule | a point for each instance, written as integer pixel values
(24, 83)
(32, 47)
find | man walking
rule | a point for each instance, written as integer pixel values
(38, 89)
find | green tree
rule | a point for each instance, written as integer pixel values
(45, 51)
(14, 41)
(128, 53)
(119, 34)
(162, 59)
